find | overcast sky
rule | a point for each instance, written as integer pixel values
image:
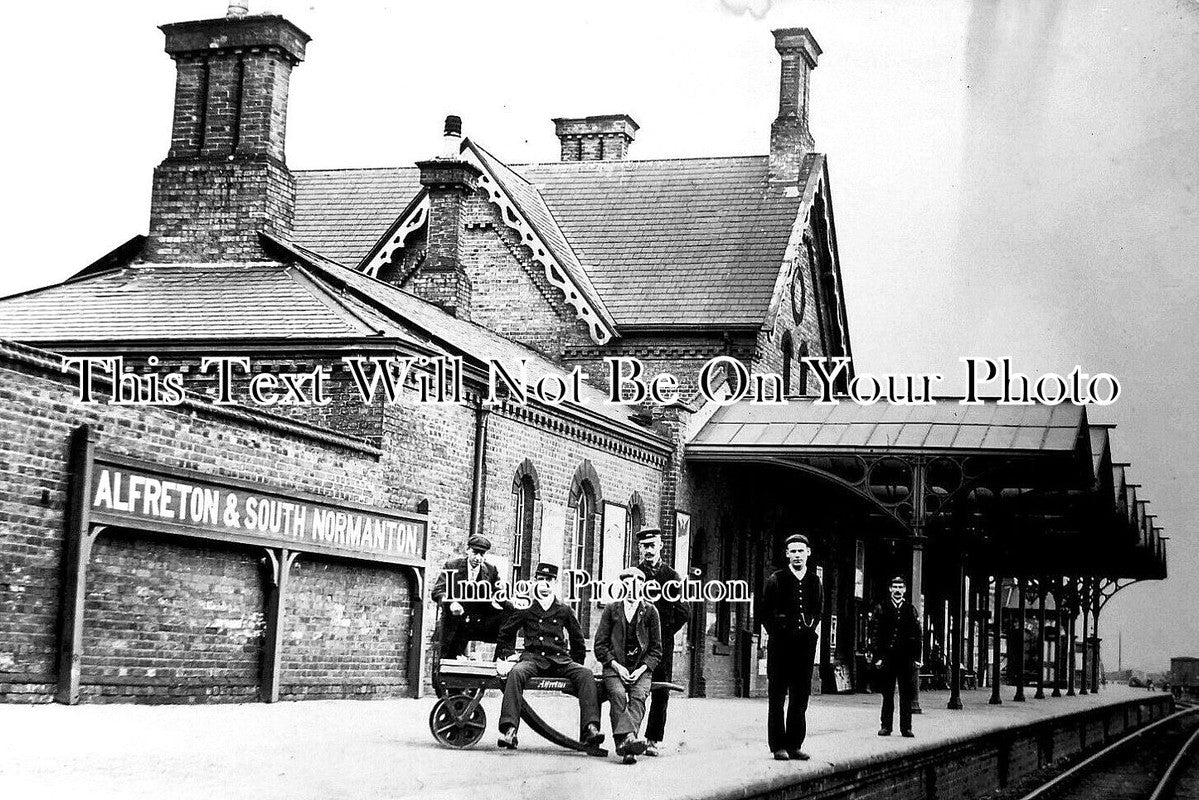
(1012, 178)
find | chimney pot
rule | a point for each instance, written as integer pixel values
(453, 125)
(790, 137)
(225, 179)
(605, 137)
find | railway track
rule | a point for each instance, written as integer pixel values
(1157, 762)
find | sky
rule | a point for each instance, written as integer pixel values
(1009, 179)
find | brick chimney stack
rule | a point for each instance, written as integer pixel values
(601, 138)
(790, 138)
(225, 178)
(450, 182)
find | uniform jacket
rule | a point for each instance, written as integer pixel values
(458, 569)
(776, 615)
(673, 614)
(612, 632)
(551, 634)
(895, 632)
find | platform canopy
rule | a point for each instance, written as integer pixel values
(998, 478)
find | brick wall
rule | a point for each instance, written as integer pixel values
(191, 613)
(171, 620)
(973, 767)
(348, 631)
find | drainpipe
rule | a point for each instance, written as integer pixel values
(482, 414)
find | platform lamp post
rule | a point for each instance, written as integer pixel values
(1073, 611)
(1040, 695)
(1059, 605)
(955, 643)
(917, 599)
(996, 666)
(1095, 606)
(1086, 626)
(1017, 663)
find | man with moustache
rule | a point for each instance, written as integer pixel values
(672, 615)
(895, 639)
(792, 607)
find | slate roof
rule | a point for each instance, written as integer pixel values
(191, 301)
(458, 335)
(342, 213)
(663, 242)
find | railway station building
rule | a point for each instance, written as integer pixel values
(165, 543)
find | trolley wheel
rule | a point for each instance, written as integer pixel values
(453, 726)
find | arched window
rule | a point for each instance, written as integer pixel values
(524, 498)
(803, 369)
(582, 547)
(787, 354)
(583, 553)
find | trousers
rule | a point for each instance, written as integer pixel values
(582, 678)
(626, 703)
(789, 662)
(903, 672)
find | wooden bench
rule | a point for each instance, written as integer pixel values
(459, 721)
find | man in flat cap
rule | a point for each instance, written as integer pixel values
(673, 616)
(895, 640)
(628, 642)
(554, 648)
(792, 607)
(466, 587)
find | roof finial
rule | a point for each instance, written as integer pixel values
(237, 9)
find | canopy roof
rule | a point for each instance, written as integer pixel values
(1012, 477)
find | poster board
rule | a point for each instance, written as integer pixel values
(615, 522)
(682, 562)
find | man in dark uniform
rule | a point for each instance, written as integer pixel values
(896, 641)
(546, 626)
(792, 607)
(672, 614)
(464, 621)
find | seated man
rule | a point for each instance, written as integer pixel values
(628, 642)
(463, 619)
(546, 625)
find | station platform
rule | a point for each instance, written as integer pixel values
(335, 749)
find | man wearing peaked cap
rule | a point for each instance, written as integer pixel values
(895, 638)
(792, 607)
(462, 620)
(672, 616)
(554, 647)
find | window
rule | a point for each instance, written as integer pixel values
(803, 369)
(582, 549)
(522, 533)
(787, 353)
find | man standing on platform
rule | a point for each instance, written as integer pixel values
(792, 607)
(672, 615)
(554, 648)
(467, 620)
(896, 641)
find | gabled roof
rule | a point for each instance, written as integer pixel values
(660, 242)
(457, 335)
(682, 241)
(191, 301)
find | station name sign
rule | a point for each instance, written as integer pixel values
(142, 495)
